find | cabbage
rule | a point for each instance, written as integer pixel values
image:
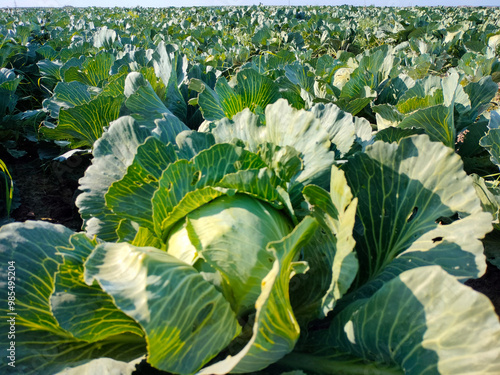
(231, 234)
(214, 252)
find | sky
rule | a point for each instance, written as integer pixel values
(188, 3)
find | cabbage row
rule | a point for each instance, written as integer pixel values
(272, 190)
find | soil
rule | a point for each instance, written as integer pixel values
(489, 285)
(46, 189)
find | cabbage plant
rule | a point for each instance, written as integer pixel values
(265, 243)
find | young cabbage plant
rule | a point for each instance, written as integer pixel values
(245, 248)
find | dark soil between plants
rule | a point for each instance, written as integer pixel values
(46, 190)
(489, 285)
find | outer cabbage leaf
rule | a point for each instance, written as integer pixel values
(85, 123)
(41, 344)
(96, 317)
(437, 121)
(369, 77)
(113, 153)
(252, 90)
(171, 68)
(491, 141)
(426, 92)
(480, 94)
(208, 100)
(93, 72)
(116, 84)
(285, 126)
(394, 89)
(489, 194)
(343, 128)
(387, 116)
(186, 320)
(131, 196)
(393, 134)
(8, 85)
(50, 71)
(433, 102)
(356, 95)
(142, 98)
(68, 95)
(426, 322)
(297, 85)
(103, 366)
(104, 37)
(404, 202)
(190, 143)
(431, 105)
(331, 260)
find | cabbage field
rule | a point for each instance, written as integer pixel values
(252, 190)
